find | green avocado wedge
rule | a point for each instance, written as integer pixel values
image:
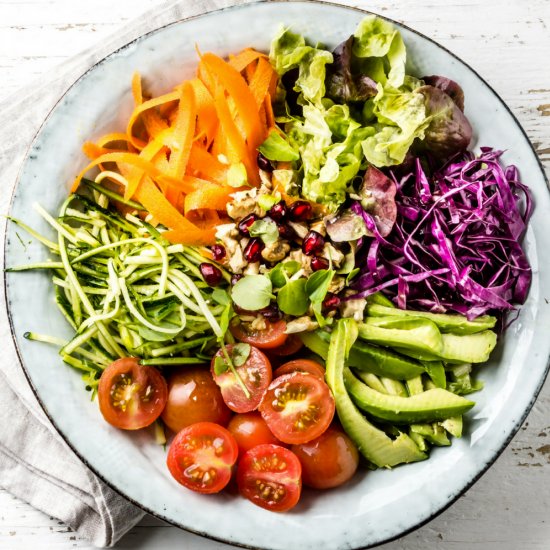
(428, 406)
(365, 357)
(373, 443)
(457, 324)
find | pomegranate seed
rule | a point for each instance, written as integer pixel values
(218, 252)
(271, 312)
(263, 163)
(331, 302)
(285, 231)
(318, 263)
(234, 278)
(278, 211)
(246, 222)
(211, 274)
(313, 242)
(253, 250)
(300, 211)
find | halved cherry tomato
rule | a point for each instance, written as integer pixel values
(301, 365)
(255, 374)
(250, 430)
(201, 457)
(292, 345)
(271, 337)
(297, 407)
(327, 461)
(131, 396)
(193, 396)
(270, 477)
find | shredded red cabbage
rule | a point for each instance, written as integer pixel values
(456, 242)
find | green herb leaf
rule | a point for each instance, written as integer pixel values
(253, 292)
(276, 147)
(240, 354)
(317, 285)
(281, 272)
(237, 176)
(267, 201)
(221, 296)
(220, 366)
(352, 274)
(267, 230)
(292, 298)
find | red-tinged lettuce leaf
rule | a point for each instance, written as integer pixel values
(450, 87)
(378, 199)
(449, 131)
(343, 84)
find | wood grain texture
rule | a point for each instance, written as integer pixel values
(507, 42)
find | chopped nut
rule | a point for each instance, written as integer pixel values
(236, 260)
(332, 253)
(243, 203)
(305, 261)
(266, 187)
(354, 308)
(302, 324)
(275, 252)
(252, 269)
(301, 229)
(337, 284)
(320, 227)
(258, 323)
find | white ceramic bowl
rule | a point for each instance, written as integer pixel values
(374, 506)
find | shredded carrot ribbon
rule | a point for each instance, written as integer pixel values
(175, 151)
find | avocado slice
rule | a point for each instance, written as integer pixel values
(371, 380)
(428, 406)
(417, 335)
(363, 356)
(394, 387)
(434, 433)
(372, 442)
(453, 425)
(415, 386)
(457, 324)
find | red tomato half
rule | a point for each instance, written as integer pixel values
(250, 430)
(292, 344)
(301, 365)
(270, 477)
(193, 396)
(297, 407)
(272, 337)
(255, 374)
(201, 457)
(327, 461)
(131, 396)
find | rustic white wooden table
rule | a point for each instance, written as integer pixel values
(506, 41)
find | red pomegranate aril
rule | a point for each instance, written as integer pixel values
(278, 211)
(211, 274)
(246, 222)
(313, 242)
(300, 211)
(218, 252)
(285, 231)
(253, 250)
(331, 302)
(318, 263)
(271, 312)
(263, 163)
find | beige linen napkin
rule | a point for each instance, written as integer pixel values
(36, 465)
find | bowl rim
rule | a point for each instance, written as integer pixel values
(111, 485)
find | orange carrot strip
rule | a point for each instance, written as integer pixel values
(135, 173)
(244, 58)
(150, 104)
(208, 196)
(202, 163)
(154, 123)
(261, 80)
(269, 116)
(235, 141)
(183, 130)
(236, 86)
(207, 121)
(205, 237)
(137, 91)
(131, 159)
